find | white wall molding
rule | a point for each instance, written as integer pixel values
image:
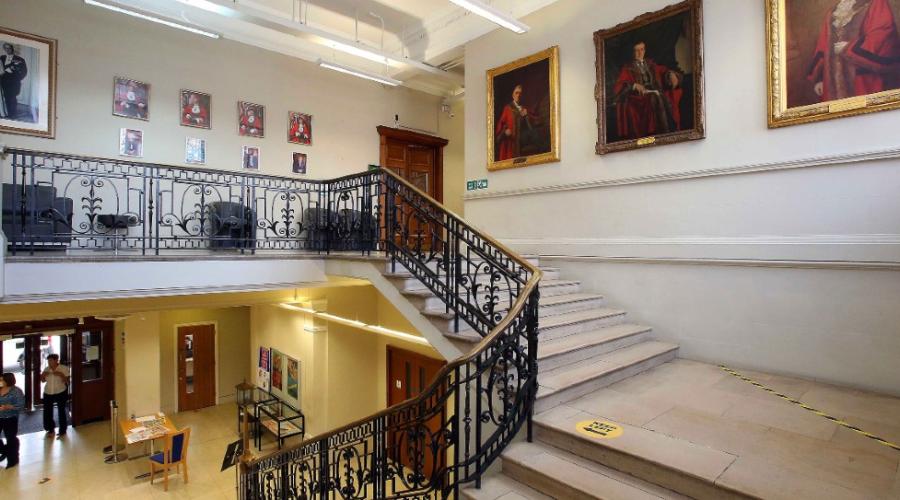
(816, 251)
(816, 161)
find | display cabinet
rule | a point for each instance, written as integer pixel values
(249, 399)
(282, 420)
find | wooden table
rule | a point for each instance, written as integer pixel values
(155, 430)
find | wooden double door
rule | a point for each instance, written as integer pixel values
(419, 159)
(409, 374)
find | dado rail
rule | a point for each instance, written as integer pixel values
(426, 447)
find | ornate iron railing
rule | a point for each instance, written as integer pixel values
(427, 447)
(66, 202)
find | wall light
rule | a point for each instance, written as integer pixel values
(491, 14)
(362, 74)
(358, 324)
(146, 17)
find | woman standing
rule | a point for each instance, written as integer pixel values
(12, 400)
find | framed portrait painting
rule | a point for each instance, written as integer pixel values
(131, 98)
(195, 109)
(299, 128)
(27, 84)
(251, 119)
(131, 142)
(523, 111)
(831, 58)
(250, 157)
(650, 79)
(298, 164)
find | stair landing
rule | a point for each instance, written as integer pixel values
(693, 428)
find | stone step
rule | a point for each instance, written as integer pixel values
(572, 381)
(501, 486)
(675, 464)
(424, 298)
(585, 345)
(563, 325)
(433, 264)
(559, 474)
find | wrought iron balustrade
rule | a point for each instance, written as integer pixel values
(427, 447)
(66, 202)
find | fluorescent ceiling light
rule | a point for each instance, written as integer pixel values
(357, 50)
(362, 74)
(145, 17)
(356, 324)
(491, 14)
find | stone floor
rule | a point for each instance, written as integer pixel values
(73, 468)
(780, 447)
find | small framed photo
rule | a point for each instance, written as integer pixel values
(251, 119)
(299, 163)
(195, 151)
(131, 98)
(131, 142)
(250, 157)
(299, 128)
(195, 109)
(28, 89)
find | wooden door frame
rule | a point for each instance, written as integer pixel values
(108, 365)
(215, 325)
(438, 143)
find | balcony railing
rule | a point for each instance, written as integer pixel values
(427, 447)
(66, 202)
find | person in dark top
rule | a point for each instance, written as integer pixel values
(12, 71)
(12, 401)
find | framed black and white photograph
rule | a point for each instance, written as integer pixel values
(195, 151)
(131, 142)
(27, 84)
(131, 98)
(250, 157)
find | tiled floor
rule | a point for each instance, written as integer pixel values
(73, 468)
(779, 446)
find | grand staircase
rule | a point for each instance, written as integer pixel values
(585, 345)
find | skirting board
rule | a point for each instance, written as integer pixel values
(818, 161)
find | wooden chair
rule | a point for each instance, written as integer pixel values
(174, 454)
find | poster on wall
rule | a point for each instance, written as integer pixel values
(27, 84)
(131, 98)
(251, 119)
(262, 379)
(264, 358)
(523, 111)
(195, 151)
(299, 128)
(277, 370)
(293, 378)
(195, 109)
(831, 58)
(650, 79)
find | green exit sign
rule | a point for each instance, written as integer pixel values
(476, 185)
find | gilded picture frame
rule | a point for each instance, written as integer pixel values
(810, 80)
(664, 50)
(29, 61)
(523, 112)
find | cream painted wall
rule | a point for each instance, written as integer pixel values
(232, 341)
(95, 45)
(342, 369)
(759, 317)
(142, 371)
(453, 129)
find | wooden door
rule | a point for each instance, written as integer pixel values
(92, 377)
(196, 367)
(418, 158)
(409, 374)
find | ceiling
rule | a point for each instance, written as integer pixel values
(423, 39)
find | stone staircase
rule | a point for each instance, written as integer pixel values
(585, 345)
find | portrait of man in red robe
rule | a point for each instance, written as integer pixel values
(512, 122)
(195, 109)
(647, 97)
(521, 111)
(251, 119)
(857, 51)
(299, 128)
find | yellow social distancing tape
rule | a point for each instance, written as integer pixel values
(599, 429)
(809, 408)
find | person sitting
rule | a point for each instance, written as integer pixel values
(12, 401)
